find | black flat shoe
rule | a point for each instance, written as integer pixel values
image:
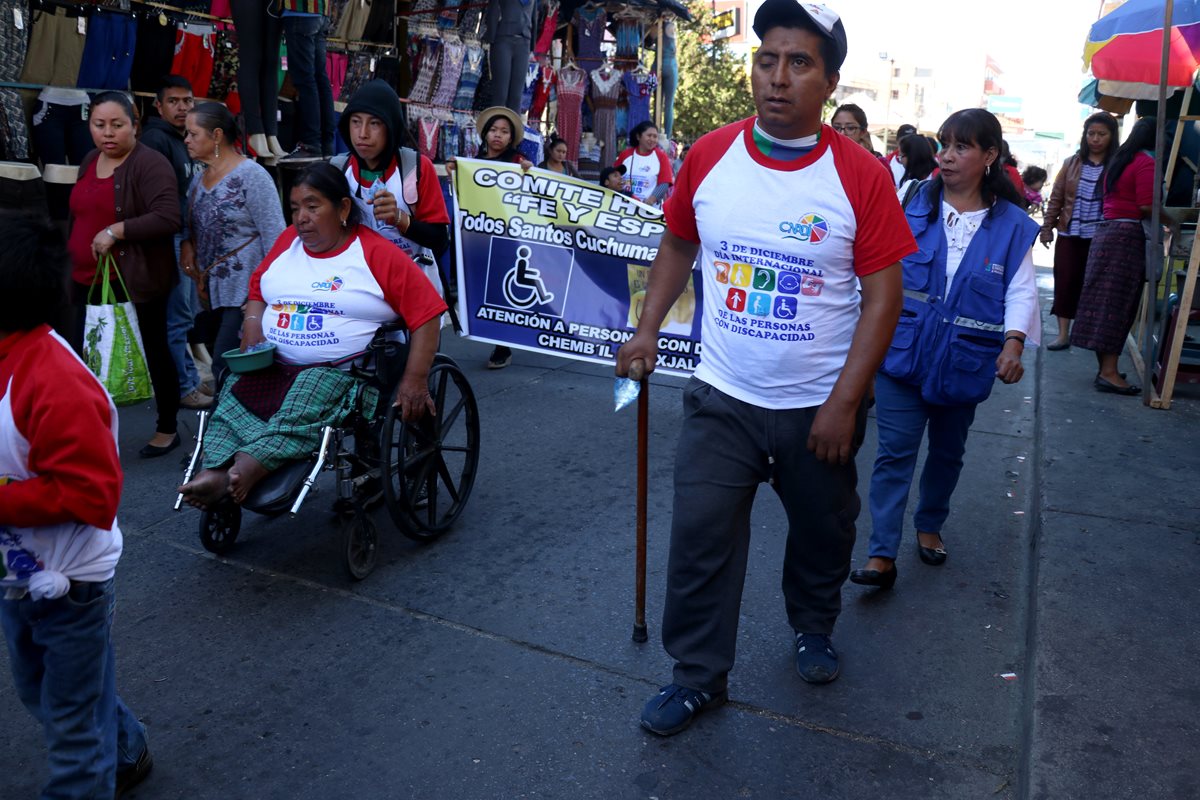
(153, 451)
(1059, 346)
(1106, 386)
(873, 577)
(933, 556)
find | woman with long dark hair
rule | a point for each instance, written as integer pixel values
(1075, 208)
(1116, 264)
(970, 307)
(917, 156)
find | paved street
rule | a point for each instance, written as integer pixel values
(497, 662)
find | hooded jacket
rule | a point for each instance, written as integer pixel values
(379, 99)
(160, 135)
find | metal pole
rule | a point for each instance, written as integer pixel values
(1155, 258)
(887, 115)
(658, 108)
(637, 371)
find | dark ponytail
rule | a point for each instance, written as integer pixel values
(1141, 138)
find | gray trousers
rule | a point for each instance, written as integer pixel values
(726, 449)
(509, 60)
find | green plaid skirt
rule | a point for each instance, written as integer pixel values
(319, 396)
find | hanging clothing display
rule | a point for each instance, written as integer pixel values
(452, 65)
(639, 88)
(471, 72)
(194, 56)
(153, 52)
(606, 94)
(631, 30)
(14, 132)
(547, 80)
(431, 57)
(572, 84)
(589, 35)
(509, 31)
(56, 49)
(225, 65)
(259, 35)
(358, 73)
(542, 46)
(107, 51)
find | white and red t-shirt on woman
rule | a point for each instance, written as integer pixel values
(327, 307)
(781, 243)
(645, 173)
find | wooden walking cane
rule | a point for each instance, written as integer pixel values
(637, 372)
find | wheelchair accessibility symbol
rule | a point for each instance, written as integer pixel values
(523, 286)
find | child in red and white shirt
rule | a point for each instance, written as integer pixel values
(60, 484)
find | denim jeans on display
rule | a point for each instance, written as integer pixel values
(306, 64)
(64, 671)
(60, 133)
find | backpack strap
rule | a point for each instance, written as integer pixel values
(410, 174)
(914, 187)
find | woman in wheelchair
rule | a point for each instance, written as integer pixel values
(319, 296)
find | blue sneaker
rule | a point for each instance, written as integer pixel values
(673, 708)
(816, 660)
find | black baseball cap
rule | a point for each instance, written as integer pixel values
(781, 12)
(905, 130)
(604, 173)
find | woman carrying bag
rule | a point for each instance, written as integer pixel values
(234, 216)
(126, 204)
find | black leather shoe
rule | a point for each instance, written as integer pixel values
(1106, 386)
(153, 451)
(874, 577)
(933, 556)
(133, 775)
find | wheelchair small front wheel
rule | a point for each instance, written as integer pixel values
(219, 527)
(360, 545)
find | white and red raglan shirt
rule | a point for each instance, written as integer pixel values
(60, 474)
(781, 245)
(327, 307)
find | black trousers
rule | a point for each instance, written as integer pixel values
(726, 449)
(152, 324)
(259, 35)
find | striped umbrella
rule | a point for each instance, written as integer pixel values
(1124, 47)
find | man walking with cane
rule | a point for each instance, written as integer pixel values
(784, 214)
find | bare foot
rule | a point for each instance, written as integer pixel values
(243, 475)
(931, 540)
(206, 488)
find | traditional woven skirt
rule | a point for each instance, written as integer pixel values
(318, 396)
(1112, 287)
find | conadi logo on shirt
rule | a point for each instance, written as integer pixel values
(811, 228)
(327, 285)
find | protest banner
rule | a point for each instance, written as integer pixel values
(557, 265)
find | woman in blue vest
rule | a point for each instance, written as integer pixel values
(970, 308)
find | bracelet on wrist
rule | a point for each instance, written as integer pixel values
(1015, 338)
(109, 231)
(245, 319)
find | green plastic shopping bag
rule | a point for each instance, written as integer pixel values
(112, 344)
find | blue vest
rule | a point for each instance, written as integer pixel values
(948, 343)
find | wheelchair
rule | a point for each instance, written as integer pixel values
(423, 472)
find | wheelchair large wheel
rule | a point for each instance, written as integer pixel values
(431, 464)
(360, 545)
(219, 527)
